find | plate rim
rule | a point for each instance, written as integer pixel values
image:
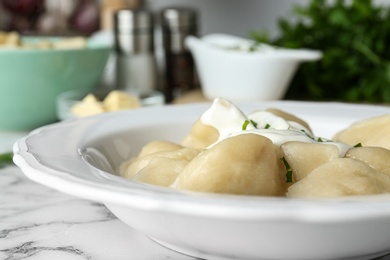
(342, 209)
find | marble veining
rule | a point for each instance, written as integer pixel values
(28, 249)
(37, 222)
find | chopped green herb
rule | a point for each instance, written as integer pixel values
(302, 130)
(289, 176)
(245, 124)
(254, 123)
(358, 145)
(5, 159)
(267, 126)
(319, 139)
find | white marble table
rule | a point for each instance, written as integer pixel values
(39, 223)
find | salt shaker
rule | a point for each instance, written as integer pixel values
(180, 75)
(136, 68)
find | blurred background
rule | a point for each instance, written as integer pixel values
(87, 16)
(242, 18)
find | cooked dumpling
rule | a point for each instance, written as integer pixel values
(376, 157)
(244, 164)
(159, 168)
(200, 136)
(161, 171)
(371, 132)
(159, 146)
(305, 157)
(341, 177)
(289, 117)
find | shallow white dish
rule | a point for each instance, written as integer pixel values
(78, 157)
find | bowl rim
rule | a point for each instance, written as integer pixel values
(111, 189)
(92, 46)
(209, 44)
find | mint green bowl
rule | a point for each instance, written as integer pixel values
(31, 80)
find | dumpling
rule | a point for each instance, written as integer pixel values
(341, 177)
(376, 157)
(158, 168)
(305, 157)
(371, 132)
(289, 117)
(243, 164)
(159, 146)
(200, 136)
(160, 171)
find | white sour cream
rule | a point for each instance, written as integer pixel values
(228, 119)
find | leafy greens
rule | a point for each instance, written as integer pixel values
(353, 36)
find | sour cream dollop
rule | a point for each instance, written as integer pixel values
(230, 121)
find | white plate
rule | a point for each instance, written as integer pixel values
(78, 156)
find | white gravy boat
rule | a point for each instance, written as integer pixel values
(241, 75)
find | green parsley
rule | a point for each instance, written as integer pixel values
(5, 159)
(358, 145)
(267, 126)
(302, 130)
(289, 176)
(319, 139)
(254, 123)
(245, 124)
(348, 32)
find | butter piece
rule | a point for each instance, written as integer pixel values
(89, 106)
(119, 100)
(115, 100)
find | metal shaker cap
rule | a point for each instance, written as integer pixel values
(133, 31)
(177, 23)
(175, 18)
(133, 21)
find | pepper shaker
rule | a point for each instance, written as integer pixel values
(180, 75)
(136, 68)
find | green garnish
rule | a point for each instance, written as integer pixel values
(302, 130)
(6, 159)
(289, 176)
(254, 123)
(358, 145)
(245, 124)
(267, 126)
(319, 139)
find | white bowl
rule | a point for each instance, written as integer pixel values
(80, 157)
(242, 75)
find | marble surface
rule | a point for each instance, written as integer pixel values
(39, 223)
